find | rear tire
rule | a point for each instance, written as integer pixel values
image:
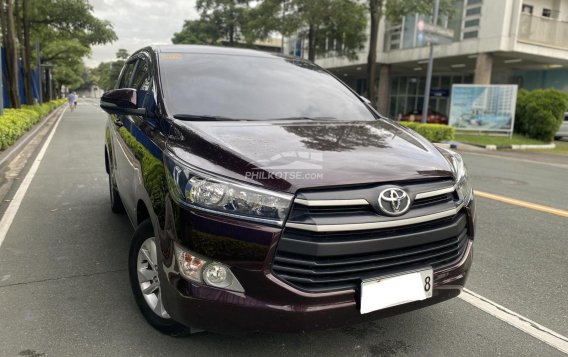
(145, 283)
(116, 205)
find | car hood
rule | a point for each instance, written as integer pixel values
(291, 155)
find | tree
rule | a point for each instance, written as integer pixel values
(229, 17)
(27, 51)
(106, 74)
(375, 14)
(66, 30)
(10, 44)
(395, 10)
(198, 32)
(327, 24)
(122, 54)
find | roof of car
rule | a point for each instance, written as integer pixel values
(202, 49)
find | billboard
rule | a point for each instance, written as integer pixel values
(483, 107)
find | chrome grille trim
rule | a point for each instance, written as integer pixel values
(331, 203)
(364, 202)
(439, 192)
(375, 225)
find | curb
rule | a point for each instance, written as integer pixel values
(455, 145)
(14, 149)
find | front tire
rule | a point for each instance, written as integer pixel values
(145, 282)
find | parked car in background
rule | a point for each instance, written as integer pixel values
(434, 117)
(266, 195)
(563, 131)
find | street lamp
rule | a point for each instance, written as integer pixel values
(429, 72)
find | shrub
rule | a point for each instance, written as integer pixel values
(540, 113)
(15, 122)
(433, 132)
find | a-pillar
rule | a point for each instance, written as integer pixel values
(383, 94)
(483, 68)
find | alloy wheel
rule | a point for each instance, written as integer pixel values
(148, 279)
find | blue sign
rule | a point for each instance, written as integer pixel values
(440, 93)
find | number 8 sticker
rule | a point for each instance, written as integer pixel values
(427, 284)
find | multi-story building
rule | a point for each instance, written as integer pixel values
(522, 42)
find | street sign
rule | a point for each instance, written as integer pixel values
(437, 39)
(436, 35)
(438, 30)
(439, 93)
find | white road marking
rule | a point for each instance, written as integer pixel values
(530, 327)
(14, 205)
(562, 166)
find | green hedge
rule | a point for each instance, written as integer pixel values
(540, 113)
(435, 133)
(16, 122)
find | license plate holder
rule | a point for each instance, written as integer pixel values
(392, 290)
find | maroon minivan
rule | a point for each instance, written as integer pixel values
(267, 195)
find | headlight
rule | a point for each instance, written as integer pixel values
(203, 190)
(460, 175)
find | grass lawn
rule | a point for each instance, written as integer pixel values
(482, 139)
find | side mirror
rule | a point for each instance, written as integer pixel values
(121, 101)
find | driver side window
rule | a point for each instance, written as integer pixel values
(142, 82)
(126, 75)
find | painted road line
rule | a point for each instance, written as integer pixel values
(14, 205)
(562, 166)
(524, 324)
(525, 204)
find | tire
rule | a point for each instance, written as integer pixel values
(143, 272)
(116, 205)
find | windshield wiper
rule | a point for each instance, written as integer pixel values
(306, 118)
(196, 117)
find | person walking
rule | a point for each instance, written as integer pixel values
(72, 100)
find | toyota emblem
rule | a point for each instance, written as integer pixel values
(394, 201)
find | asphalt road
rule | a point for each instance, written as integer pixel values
(64, 287)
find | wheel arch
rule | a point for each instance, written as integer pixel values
(107, 164)
(142, 212)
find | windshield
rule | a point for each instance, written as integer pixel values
(255, 88)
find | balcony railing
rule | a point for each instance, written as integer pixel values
(543, 31)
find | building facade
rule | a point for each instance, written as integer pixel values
(522, 42)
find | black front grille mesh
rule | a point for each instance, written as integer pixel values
(333, 261)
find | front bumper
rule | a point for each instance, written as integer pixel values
(222, 311)
(268, 304)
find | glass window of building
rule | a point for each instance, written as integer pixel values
(546, 12)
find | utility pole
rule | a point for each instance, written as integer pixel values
(430, 65)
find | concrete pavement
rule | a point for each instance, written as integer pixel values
(64, 287)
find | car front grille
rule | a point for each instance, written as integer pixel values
(316, 259)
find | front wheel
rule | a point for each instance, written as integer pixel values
(145, 282)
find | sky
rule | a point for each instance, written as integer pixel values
(139, 23)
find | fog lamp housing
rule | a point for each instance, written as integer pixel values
(200, 269)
